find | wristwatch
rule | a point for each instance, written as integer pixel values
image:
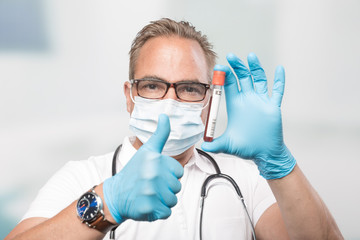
(90, 211)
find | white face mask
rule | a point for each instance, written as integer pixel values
(187, 127)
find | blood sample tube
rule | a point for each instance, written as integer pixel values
(218, 82)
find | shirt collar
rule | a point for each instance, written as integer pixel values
(201, 162)
(126, 152)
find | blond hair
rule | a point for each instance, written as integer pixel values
(167, 27)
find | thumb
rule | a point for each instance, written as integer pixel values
(217, 145)
(158, 139)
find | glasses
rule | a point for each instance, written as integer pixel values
(157, 89)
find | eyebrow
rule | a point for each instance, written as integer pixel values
(159, 78)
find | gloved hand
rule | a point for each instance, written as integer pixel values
(254, 128)
(145, 188)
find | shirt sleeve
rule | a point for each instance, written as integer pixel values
(64, 187)
(263, 198)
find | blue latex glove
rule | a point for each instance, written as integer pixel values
(145, 188)
(254, 128)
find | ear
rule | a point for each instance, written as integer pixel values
(129, 102)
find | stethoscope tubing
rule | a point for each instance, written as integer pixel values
(210, 178)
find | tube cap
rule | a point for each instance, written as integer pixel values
(218, 78)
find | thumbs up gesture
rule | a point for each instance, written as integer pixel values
(145, 188)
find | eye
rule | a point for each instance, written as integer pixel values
(191, 88)
(150, 85)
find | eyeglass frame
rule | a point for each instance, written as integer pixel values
(168, 85)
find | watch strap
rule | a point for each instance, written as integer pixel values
(101, 224)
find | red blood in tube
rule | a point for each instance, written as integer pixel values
(208, 139)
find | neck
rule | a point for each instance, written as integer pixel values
(182, 158)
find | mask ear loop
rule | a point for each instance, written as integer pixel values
(131, 95)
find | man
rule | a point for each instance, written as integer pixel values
(155, 196)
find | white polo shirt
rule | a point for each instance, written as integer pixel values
(223, 217)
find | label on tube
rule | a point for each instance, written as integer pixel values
(215, 103)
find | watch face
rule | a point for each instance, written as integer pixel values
(88, 206)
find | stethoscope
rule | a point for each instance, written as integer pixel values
(218, 174)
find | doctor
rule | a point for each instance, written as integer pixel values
(156, 196)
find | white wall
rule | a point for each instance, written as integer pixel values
(65, 103)
(318, 44)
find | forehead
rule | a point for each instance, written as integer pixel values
(173, 59)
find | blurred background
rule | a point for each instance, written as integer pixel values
(63, 65)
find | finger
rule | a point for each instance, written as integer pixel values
(260, 82)
(218, 145)
(158, 209)
(166, 196)
(151, 209)
(157, 141)
(242, 73)
(279, 86)
(173, 182)
(231, 85)
(174, 166)
(162, 212)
